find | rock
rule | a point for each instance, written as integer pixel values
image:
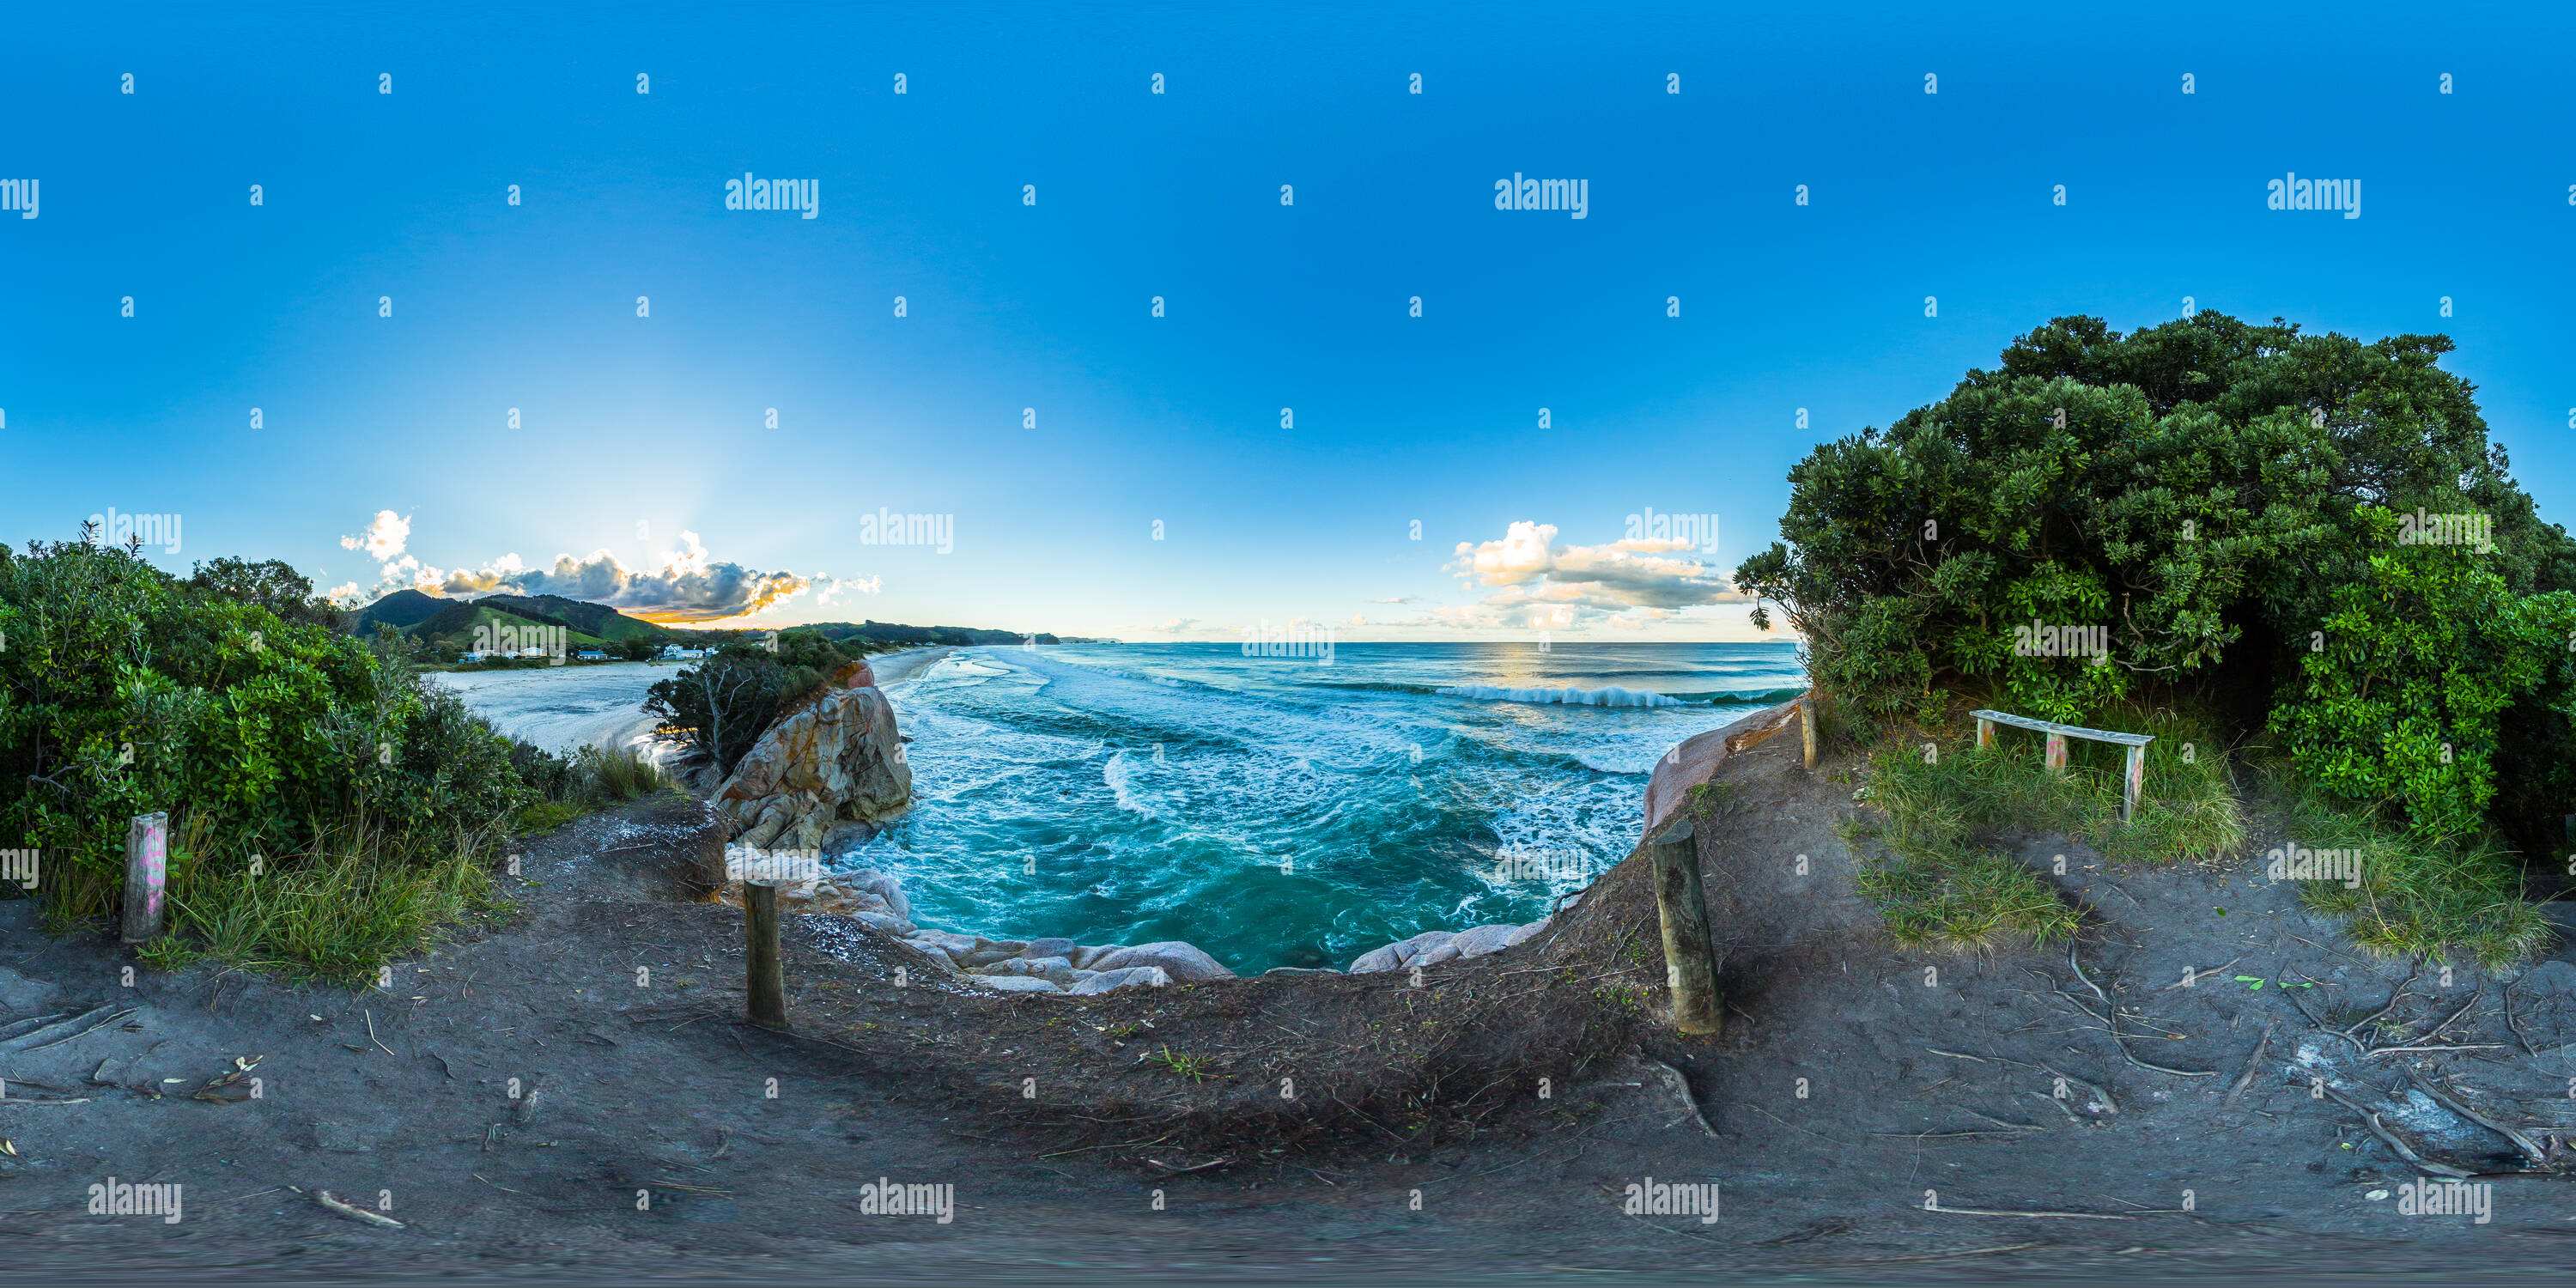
(932, 950)
(1103, 981)
(953, 945)
(1013, 984)
(1084, 957)
(846, 837)
(987, 951)
(1053, 969)
(1438, 953)
(887, 922)
(838, 760)
(854, 675)
(883, 885)
(1064, 948)
(1182, 961)
(1523, 934)
(1483, 940)
(1404, 953)
(1299, 970)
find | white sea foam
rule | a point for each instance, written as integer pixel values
(1609, 696)
(1115, 773)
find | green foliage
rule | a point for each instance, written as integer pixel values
(594, 778)
(124, 691)
(722, 706)
(2397, 703)
(2416, 897)
(2208, 493)
(1947, 886)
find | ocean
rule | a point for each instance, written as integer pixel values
(1287, 811)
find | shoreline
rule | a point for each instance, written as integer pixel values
(904, 664)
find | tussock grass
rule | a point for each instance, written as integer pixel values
(1945, 884)
(336, 913)
(593, 779)
(2415, 898)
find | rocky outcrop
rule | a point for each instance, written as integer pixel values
(836, 763)
(1432, 947)
(1185, 963)
(1061, 966)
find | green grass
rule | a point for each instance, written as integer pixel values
(1943, 883)
(594, 779)
(336, 914)
(2415, 898)
(1188, 1066)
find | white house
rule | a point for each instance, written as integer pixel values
(674, 652)
(591, 655)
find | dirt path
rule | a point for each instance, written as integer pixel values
(753, 1149)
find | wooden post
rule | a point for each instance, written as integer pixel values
(2136, 782)
(765, 984)
(147, 867)
(1807, 726)
(2057, 751)
(1690, 960)
(1985, 734)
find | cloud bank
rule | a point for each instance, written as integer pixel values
(678, 586)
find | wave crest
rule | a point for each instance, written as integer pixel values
(1609, 696)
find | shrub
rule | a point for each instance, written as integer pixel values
(2210, 494)
(280, 746)
(723, 705)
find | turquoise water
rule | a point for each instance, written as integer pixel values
(1284, 811)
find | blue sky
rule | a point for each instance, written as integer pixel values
(661, 421)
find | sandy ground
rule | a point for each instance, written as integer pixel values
(666, 1139)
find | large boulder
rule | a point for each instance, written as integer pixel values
(1136, 976)
(1483, 940)
(1013, 984)
(1404, 953)
(838, 760)
(1184, 962)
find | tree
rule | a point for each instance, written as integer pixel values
(2207, 494)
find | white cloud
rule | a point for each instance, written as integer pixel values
(1541, 585)
(685, 585)
(383, 538)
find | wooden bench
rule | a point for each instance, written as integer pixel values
(2134, 780)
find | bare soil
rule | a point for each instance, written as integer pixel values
(1299, 1127)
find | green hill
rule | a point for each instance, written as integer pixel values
(401, 610)
(597, 620)
(454, 627)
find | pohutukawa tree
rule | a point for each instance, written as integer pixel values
(2223, 500)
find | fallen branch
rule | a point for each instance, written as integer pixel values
(1680, 1086)
(2076, 1216)
(2531, 1149)
(2252, 1062)
(2516, 1025)
(2404, 1150)
(356, 1213)
(2392, 1005)
(2193, 980)
(1169, 1170)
